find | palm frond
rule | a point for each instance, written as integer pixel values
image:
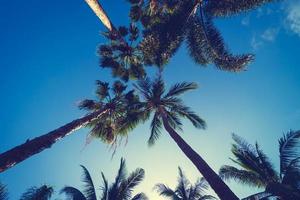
(260, 195)
(186, 112)
(289, 146)
(164, 190)
(156, 125)
(267, 165)
(89, 188)
(3, 192)
(232, 7)
(292, 174)
(121, 176)
(104, 188)
(207, 197)
(38, 193)
(72, 193)
(180, 88)
(183, 184)
(242, 176)
(140, 196)
(127, 186)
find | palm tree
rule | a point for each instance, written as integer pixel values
(256, 170)
(185, 190)
(38, 193)
(167, 109)
(168, 23)
(121, 189)
(104, 117)
(3, 192)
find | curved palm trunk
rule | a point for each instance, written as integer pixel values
(216, 183)
(19, 153)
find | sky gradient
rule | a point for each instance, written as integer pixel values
(48, 63)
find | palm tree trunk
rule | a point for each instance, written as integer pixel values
(19, 153)
(216, 183)
(99, 11)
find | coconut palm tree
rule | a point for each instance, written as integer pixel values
(185, 190)
(106, 117)
(121, 189)
(168, 23)
(167, 109)
(256, 170)
(38, 193)
(3, 192)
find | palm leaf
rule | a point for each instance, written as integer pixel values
(104, 188)
(140, 196)
(164, 190)
(183, 184)
(242, 176)
(3, 192)
(89, 189)
(38, 193)
(180, 88)
(73, 193)
(127, 186)
(232, 7)
(156, 125)
(289, 145)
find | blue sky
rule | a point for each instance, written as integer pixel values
(48, 63)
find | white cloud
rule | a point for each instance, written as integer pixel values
(293, 16)
(246, 21)
(270, 34)
(255, 43)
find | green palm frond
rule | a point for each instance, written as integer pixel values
(186, 112)
(292, 174)
(183, 185)
(3, 192)
(140, 196)
(89, 188)
(241, 176)
(165, 191)
(114, 190)
(213, 45)
(180, 88)
(104, 188)
(232, 7)
(127, 186)
(72, 193)
(156, 125)
(38, 193)
(289, 146)
(267, 165)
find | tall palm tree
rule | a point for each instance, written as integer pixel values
(3, 192)
(256, 170)
(168, 23)
(167, 109)
(38, 193)
(185, 190)
(121, 189)
(104, 118)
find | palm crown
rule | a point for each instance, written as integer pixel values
(121, 189)
(168, 23)
(165, 104)
(185, 190)
(258, 171)
(118, 119)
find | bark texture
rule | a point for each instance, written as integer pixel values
(216, 183)
(24, 151)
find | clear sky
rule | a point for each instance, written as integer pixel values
(48, 63)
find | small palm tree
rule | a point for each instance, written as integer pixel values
(108, 116)
(38, 193)
(185, 190)
(121, 189)
(257, 170)
(167, 109)
(3, 192)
